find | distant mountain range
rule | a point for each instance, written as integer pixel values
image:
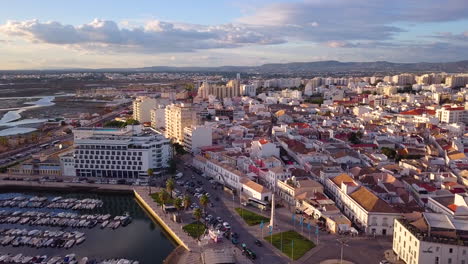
(318, 67)
(301, 68)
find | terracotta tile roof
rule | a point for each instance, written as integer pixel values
(342, 178)
(418, 111)
(256, 187)
(370, 201)
(457, 155)
(452, 207)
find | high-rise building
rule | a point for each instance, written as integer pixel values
(178, 117)
(158, 117)
(141, 108)
(456, 80)
(248, 89)
(119, 153)
(403, 79)
(196, 137)
(231, 89)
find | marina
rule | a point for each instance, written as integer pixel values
(68, 259)
(54, 203)
(62, 219)
(43, 227)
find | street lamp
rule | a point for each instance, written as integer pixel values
(342, 243)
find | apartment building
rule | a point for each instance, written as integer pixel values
(431, 238)
(196, 137)
(450, 114)
(142, 106)
(158, 117)
(178, 117)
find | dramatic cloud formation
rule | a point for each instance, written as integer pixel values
(155, 36)
(275, 32)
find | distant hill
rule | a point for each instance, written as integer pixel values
(320, 67)
(299, 68)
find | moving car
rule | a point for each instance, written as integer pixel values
(258, 243)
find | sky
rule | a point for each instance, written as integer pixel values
(50, 34)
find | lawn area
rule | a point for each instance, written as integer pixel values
(301, 244)
(251, 218)
(155, 196)
(195, 229)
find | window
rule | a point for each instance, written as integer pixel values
(436, 260)
(450, 250)
(449, 261)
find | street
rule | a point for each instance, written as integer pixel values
(361, 249)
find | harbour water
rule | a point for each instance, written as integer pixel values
(141, 240)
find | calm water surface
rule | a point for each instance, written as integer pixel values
(141, 240)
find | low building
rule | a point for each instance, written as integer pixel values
(254, 190)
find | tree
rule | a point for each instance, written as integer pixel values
(390, 153)
(163, 197)
(4, 141)
(178, 204)
(132, 122)
(114, 123)
(204, 200)
(354, 138)
(172, 166)
(197, 214)
(150, 172)
(170, 186)
(187, 201)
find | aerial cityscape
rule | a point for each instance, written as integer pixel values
(218, 132)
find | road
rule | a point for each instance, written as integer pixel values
(30, 149)
(357, 249)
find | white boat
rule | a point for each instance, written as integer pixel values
(80, 240)
(104, 224)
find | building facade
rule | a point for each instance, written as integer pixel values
(121, 156)
(178, 117)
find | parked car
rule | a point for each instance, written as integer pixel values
(234, 234)
(234, 241)
(227, 225)
(219, 219)
(250, 254)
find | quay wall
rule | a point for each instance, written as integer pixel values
(155, 215)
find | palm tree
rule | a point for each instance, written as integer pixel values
(163, 197)
(197, 214)
(170, 186)
(204, 200)
(178, 204)
(150, 174)
(187, 201)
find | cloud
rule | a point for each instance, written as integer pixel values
(351, 20)
(155, 36)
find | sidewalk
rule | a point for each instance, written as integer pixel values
(192, 256)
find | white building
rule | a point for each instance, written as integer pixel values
(263, 148)
(451, 114)
(141, 108)
(120, 156)
(178, 117)
(196, 137)
(368, 211)
(431, 238)
(248, 90)
(255, 190)
(158, 117)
